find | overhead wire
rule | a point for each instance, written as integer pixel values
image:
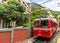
(58, 4)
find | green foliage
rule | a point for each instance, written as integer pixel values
(36, 13)
(55, 13)
(25, 19)
(2, 10)
(16, 5)
(12, 10)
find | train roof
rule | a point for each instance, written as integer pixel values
(36, 19)
(53, 19)
(44, 18)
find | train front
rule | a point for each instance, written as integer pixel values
(42, 28)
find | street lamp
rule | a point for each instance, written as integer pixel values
(29, 27)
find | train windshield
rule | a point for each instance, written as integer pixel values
(36, 23)
(44, 23)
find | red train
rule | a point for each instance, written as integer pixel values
(45, 27)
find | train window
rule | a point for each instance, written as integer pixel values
(36, 23)
(44, 23)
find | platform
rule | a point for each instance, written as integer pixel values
(27, 40)
(58, 41)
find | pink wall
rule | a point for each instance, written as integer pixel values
(20, 35)
(5, 37)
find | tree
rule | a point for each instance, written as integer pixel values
(55, 13)
(35, 13)
(13, 10)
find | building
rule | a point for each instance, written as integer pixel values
(25, 4)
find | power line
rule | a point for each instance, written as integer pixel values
(58, 4)
(46, 1)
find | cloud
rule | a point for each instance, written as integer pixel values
(27, 0)
(51, 5)
(0, 1)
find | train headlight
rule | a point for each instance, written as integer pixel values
(39, 34)
(34, 28)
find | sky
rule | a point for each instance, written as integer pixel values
(51, 4)
(0, 1)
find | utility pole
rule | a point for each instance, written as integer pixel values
(29, 26)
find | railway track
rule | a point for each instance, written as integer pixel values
(53, 39)
(40, 40)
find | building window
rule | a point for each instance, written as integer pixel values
(24, 3)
